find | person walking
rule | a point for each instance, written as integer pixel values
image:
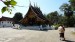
(61, 30)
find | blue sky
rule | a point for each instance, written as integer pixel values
(46, 6)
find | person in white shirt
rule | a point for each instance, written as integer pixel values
(61, 30)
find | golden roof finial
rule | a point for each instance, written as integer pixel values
(30, 2)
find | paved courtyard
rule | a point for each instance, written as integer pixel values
(14, 35)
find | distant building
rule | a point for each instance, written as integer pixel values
(34, 16)
(6, 22)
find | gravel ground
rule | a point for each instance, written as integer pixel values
(14, 35)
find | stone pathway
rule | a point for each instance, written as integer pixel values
(13, 35)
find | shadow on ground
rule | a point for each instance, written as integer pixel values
(69, 41)
(33, 29)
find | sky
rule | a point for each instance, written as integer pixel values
(46, 6)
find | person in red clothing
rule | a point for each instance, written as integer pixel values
(61, 30)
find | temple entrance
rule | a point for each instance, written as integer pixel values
(31, 21)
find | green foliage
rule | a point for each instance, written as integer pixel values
(18, 16)
(3, 9)
(67, 9)
(66, 21)
(56, 26)
(53, 17)
(13, 3)
(45, 15)
(72, 3)
(63, 6)
(9, 4)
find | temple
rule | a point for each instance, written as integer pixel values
(6, 22)
(34, 16)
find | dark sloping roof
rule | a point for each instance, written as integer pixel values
(6, 19)
(38, 12)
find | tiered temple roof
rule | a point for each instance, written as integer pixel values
(35, 14)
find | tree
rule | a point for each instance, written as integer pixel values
(45, 15)
(72, 3)
(9, 5)
(17, 17)
(67, 9)
(53, 17)
(68, 13)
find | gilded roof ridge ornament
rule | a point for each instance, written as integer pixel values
(30, 3)
(34, 4)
